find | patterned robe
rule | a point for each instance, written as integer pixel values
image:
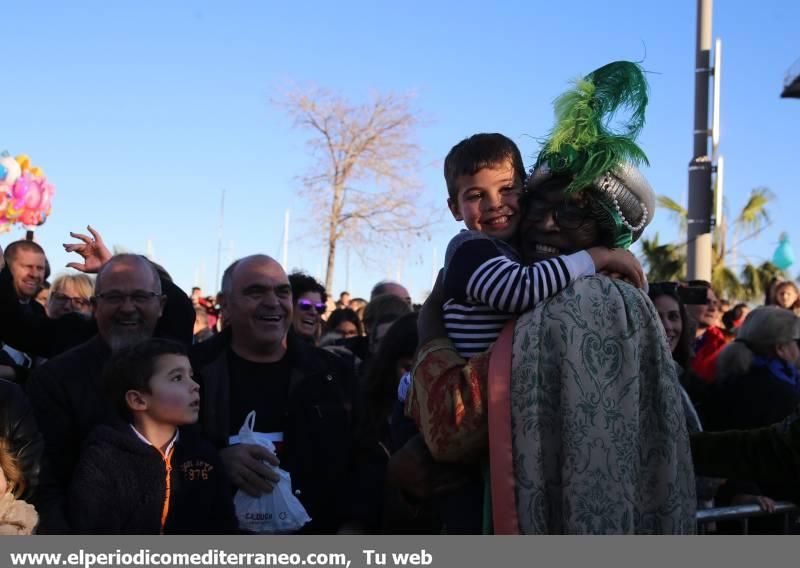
(598, 434)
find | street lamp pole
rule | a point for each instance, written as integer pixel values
(701, 196)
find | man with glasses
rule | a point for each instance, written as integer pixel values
(67, 393)
(299, 394)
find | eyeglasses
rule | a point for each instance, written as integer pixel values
(59, 298)
(117, 298)
(566, 215)
(307, 305)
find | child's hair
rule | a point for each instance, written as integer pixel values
(342, 315)
(485, 150)
(132, 368)
(11, 469)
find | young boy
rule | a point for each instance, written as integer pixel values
(484, 281)
(147, 474)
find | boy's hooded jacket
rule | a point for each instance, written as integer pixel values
(124, 486)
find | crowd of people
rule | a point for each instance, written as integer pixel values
(544, 386)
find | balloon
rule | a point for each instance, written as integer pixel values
(25, 194)
(784, 255)
(24, 162)
(12, 170)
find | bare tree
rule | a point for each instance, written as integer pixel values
(362, 186)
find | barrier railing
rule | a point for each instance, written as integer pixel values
(743, 513)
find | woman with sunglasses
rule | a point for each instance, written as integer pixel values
(309, 306)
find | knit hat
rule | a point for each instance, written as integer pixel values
(769, 325)
(585, 148)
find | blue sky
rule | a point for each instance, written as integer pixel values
(141, 113)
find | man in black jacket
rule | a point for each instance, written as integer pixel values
(67, 392)
(297, 391)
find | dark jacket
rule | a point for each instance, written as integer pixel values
(120, 486)
(68, 399)
(753, 400)
(18, 427)
(27, 327)
(317, 451)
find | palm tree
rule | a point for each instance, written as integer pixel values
(751, 221)
(756, 279)
(664, 262)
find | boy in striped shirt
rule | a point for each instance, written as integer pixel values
(485, 283)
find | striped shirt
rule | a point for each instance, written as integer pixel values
(486, 285)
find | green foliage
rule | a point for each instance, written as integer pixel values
(583, 142)
(754, 214)
(663, 262)
(668, 261)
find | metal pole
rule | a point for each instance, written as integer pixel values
(701, 196)
(285, 255)
(219, 239)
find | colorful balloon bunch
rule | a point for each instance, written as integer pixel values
(25, 194)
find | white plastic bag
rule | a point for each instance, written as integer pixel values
(278, 512)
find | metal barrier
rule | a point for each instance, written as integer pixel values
(743, 513)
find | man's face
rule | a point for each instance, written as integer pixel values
(127, 306)
(27, 269)
(174, 396)
(706, 315)
(259, 305)
(556, 224)
(488, 201)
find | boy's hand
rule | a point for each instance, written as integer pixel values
(619, 263)
(247, 470)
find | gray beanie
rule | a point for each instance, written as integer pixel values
(764, 327)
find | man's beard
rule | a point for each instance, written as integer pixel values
(121, 339)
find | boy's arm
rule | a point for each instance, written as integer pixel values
(479, 273)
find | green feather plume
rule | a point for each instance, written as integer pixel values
(583, 142)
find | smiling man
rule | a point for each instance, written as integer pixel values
(297, 391)
(67, 392)
(28, 265)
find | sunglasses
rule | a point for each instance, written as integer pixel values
(307, 305)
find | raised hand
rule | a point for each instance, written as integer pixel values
(93, 250)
